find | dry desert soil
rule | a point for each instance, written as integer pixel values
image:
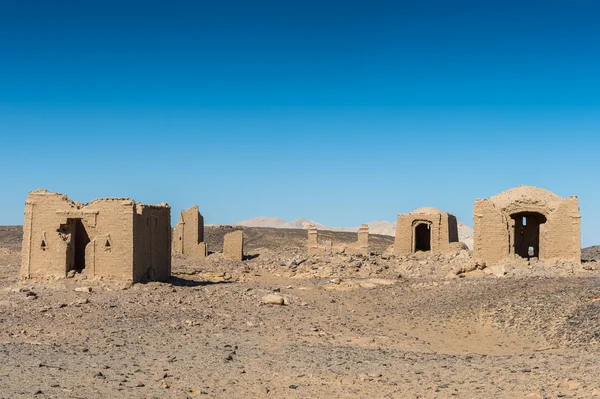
(350, 327)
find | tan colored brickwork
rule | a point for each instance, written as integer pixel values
(527, 222)
(316, 248)
(361, 247)
(313, 241)
(363, 236)
(188, 234)
(233, 245)
(113, 238)
(426, 229)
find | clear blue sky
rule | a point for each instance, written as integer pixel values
(339, 111)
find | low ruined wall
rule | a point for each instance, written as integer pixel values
(360, 247)
(233, 245)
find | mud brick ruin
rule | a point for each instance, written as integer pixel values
(313, 241)
(188, 234)
(360, 247)
(114, 238)
(426, 229)
(233, 245)
(527, 222)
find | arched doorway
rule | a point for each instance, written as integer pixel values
(422, 237)
(526, 235)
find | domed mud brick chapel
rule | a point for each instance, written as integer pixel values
(426, 230)
(527, 222)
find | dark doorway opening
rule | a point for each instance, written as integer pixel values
(423, 237)
(527, 234)
(79, 239)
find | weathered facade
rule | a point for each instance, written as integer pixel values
(527, 222)
(360, 247)
(188, 234)
(114, 238)
(233, 245)
(426, 229)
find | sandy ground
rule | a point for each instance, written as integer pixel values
(348, 329)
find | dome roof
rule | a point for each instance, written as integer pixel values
(526, 196)
(427, 211)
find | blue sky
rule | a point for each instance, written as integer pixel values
(340, 111)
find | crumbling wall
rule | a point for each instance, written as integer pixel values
(152, 239)
(360, 247)
(363, 236)
(313, 241)
(97, 239)
(499, 232)
(188, 234)
(443, 231)
(233, 245)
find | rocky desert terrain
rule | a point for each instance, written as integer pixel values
(281, 324)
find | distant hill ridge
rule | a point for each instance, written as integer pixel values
(383, 227)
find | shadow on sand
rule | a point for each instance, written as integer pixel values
(183, 282)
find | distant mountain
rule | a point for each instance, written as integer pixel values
(303, 223)
(383, 227)
(263, 221)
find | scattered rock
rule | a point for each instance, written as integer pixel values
(368, 285)
(273, 299)
(31, 295)
(496, 270)
(83, 289)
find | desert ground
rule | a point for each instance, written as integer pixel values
(375, 326)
